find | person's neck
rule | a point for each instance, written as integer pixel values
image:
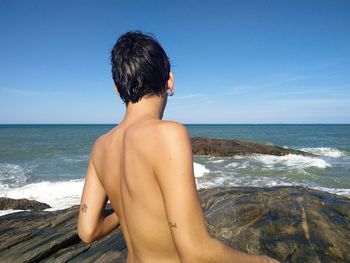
(151, 107)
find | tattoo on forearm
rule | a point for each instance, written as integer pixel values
(172, 225)
(84, 208)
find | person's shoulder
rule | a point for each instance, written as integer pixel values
(172, 127)
(101, 140)
(172, 148)
(171, 130)
(170, 136)
(98, 145)
(105, 138)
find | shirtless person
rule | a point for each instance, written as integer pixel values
(144, 166)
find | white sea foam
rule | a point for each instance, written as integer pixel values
(325, 151)
(10, 211)
(289, 161)
(233, 164)
(214, 182)
(76, 159)
(58, 195)
(199, 169)
(263, 181)
(13, 174)
(338, 191)
(217, 161)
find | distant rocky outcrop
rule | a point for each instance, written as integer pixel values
(225, 148)
(21, 204)
(291, 224)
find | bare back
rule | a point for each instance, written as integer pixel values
(124, 166)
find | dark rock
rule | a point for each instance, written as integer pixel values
(225, 148)
(21, 204)
(293, 224)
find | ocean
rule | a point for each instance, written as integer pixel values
(48, 162)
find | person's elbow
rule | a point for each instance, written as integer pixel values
(86, 234)
(86, 238)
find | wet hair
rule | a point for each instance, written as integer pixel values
(140, 66)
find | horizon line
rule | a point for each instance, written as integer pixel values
(277, 123)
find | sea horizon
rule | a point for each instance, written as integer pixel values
(5, 124)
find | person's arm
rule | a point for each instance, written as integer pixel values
(92, 223)
(174, 173)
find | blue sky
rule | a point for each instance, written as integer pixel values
(233, 61)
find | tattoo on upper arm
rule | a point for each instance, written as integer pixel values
(173, 225)
(84, 208)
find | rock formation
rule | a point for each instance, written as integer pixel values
(291, 224)
(220, 147)
(21, 204)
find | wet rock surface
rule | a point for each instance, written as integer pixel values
(21, 204)
(225, 148)
(291, 224)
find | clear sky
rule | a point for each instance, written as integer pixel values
(233, 61)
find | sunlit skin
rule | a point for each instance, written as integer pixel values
(144, 166)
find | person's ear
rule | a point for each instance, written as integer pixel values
(116, 90)
(170, 83)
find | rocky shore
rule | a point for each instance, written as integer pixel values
(21, 204)
(221, 147)
(291, 224)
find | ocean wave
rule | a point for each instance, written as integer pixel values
(286, 161)
(58, 195)
(264, 181)
(338, 191)
(214, 182)
(239, 165)
(233, 164)
(10, 211)
(76, 159)
(242, 181)
(216, 161)
(325, 151)
(291, 160)
(13, 174)
(199, 169)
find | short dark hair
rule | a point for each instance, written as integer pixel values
(140, 66)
